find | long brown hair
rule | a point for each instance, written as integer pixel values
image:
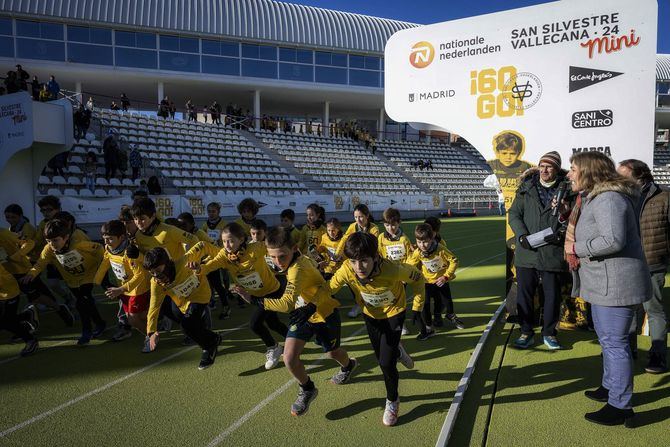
(594, 168)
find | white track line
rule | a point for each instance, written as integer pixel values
(238, 423)
(105, 387)
(454, 408)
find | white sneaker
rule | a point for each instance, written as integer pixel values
(391, 412)
(272, 356)
(404, 331)
(405, 358)
(146, 349)
(355, 311)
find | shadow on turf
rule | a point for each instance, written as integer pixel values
(405, 418)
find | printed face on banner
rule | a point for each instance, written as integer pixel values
(565, 76)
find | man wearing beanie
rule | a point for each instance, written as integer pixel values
(532, 212)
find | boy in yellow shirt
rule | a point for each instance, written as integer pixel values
(219, 280)
(312, 231)
(250, 274)
(438, 267)
(287, 220)
(133, 280)
(77, 262)
(313, 314)
(394, 245)
(248, 208)
(190, 295)
(21, 325)
(379, 287)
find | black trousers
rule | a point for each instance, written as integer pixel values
(194, 325)
(261, 319)
(13, 322)
(385, 338)
(34, 288)
(527, 282)
(86, 307)
(440, 296)
(216, 284)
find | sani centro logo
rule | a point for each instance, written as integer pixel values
(422, 54)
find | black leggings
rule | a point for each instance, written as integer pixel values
(34, 288)
(440, 296)
(194, 325)
(261, 319)
(86, 307)
(13, 322)
(385, 337)
(216, 284)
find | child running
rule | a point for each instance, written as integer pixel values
(133, 288)
(22, 325)
(363, 223)
(312, 231)
(190, 295)
(219, 281)
(438, 267)
(250, 274)
(287, 219)
(248, 208)
(77, 262)
(313, 314)
(378, 286)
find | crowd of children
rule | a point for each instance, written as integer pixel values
(166, 271)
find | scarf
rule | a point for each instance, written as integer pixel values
(118, 250)
(393, 238)
(375, 271)
(431, 249)
(570, 257)
(337, 238)
(235, 257)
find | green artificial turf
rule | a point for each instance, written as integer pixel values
(89, 398)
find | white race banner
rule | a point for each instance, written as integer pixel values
(16, 124)
(569, 76)
(90, 210)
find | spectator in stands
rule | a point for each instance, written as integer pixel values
(53, 87)
(603, 248)
(429, 164)
(538, 261)
(173, 109)
(164, 108)
(205, 111)
(373, 145)
(154, 186)
(11, 82)
(123, 157)
(420, 164)
(190, 111)
(125, 102)
(216, 110)
(135, 159)
(90, 105)
(35, 89)
(110, 151)
(22, 77)
(652, 211)
(58, 163)
(44, 94)
(79, 119)
(90, 170)
(114, 106)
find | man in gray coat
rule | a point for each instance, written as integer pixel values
(653, 212)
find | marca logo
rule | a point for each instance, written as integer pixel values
(581, 77)
(610, 43)
(422, 54)
(602, 149)
(592, 118)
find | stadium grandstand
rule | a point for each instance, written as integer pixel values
(301, 92)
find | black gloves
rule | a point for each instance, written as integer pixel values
(524, 242)
(302, 314)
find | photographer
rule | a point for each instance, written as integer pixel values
(539, 256)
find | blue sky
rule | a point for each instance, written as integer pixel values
(434, 11)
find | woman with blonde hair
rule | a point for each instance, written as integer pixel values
(603, 248)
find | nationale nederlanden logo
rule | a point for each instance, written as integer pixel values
(422, 54)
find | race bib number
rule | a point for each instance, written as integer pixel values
(186, 288)
(331, 251)
(395, 252)
(214, 235)
(251, 282)
(268, 261)
(300, 302)
(119, 271)
(3, 255)
(72, 261)
(381, 299)
(433, 265)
